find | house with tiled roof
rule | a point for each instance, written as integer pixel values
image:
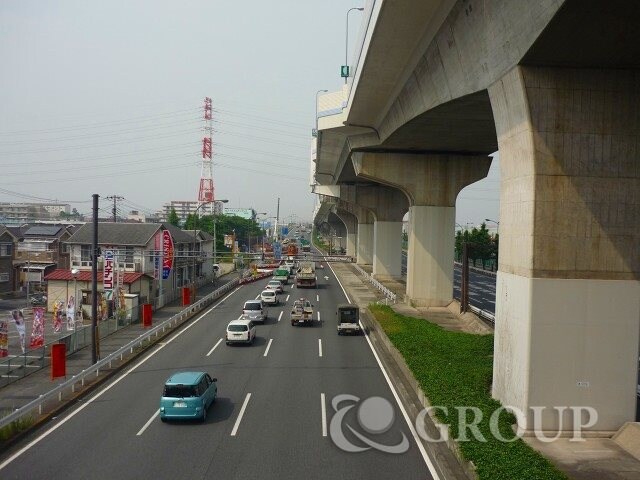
(138, 258)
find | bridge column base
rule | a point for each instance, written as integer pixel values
(352, 239)
(430, 269)
(570, 342)
(387, 248)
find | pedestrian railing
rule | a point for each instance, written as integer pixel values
(69, 386)
(389, 296)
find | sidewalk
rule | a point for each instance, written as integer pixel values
(24, 390)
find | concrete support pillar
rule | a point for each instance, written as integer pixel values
(364, 248)
(568, 290)
(388, 206)
(431, 183)
(351, 223)
(430, 271)
(387, 250)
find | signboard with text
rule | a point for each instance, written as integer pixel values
(107, 274)
(167, 254)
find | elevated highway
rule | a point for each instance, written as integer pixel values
(554, 86)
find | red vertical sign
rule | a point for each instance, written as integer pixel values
(167, 252)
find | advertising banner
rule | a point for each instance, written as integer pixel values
(37, 332)
(107, 274)
(167, 254)
(18, 319)
(4, 337)
(71, 313)
(277, 250)
(58, 307)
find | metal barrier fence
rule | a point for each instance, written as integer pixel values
(390, 297)
(94, 370)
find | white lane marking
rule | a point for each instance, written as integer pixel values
(258, 297)
(280, 316)
(214, 347)
(318, 315)
(144, 427)
(320, 347)
(317, 298)
(239, 419)
(412, 429)
(323, 409)
(102, 392)
(266, 352)
(287, 298)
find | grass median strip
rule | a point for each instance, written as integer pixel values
(455, 369)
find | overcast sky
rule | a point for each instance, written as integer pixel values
(106, 97)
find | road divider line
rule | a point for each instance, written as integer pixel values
(266, 352)
(287, 298)
(214, 347)
(320, 347)
(280, 316)
(318, 315)
(323, 410)
(239, 419)
(258, 297)
(144, 427)
(317, 298)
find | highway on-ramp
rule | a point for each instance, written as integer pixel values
(272, 419)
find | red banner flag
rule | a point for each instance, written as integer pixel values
(37, 333)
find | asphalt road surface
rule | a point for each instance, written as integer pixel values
(272, 419)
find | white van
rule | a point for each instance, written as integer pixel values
(240, 331)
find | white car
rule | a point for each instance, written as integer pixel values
(240, 331)
(270, 297)
(275, 285)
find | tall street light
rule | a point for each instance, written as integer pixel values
(315, 133)
(494, 221)
(345, 72)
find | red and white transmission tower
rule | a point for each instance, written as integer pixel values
(205, 193)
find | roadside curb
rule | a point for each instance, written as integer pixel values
(387, 350)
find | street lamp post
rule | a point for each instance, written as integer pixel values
(494, 221)
(215, 241)
(346, 44)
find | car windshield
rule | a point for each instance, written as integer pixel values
(237, 328)
(348, 315)
(274, 284)
(179, 391)
(252, 306)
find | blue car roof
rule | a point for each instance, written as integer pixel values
(185, 378)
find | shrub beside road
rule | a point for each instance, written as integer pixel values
(455, 369)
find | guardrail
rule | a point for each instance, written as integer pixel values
(390, 297)
(94, 370)
(483, 313)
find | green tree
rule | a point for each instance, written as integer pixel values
(173, 218)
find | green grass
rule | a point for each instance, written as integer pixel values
(455, 369)
(9, 431)
(319, 243)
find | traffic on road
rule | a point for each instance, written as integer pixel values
(283, 403)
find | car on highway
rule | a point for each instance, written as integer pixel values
(348, 316)
(255, 310)
(275, 285)
(187, 395)
(269, 297)
(241, 330)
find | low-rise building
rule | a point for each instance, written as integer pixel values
(7, 272)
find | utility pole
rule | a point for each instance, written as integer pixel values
(275, 233)
(94, 283)
(115, 198)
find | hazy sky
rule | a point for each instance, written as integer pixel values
(106, 97)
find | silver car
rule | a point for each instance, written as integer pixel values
(254, 310)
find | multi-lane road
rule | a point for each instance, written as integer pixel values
(272, 419)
